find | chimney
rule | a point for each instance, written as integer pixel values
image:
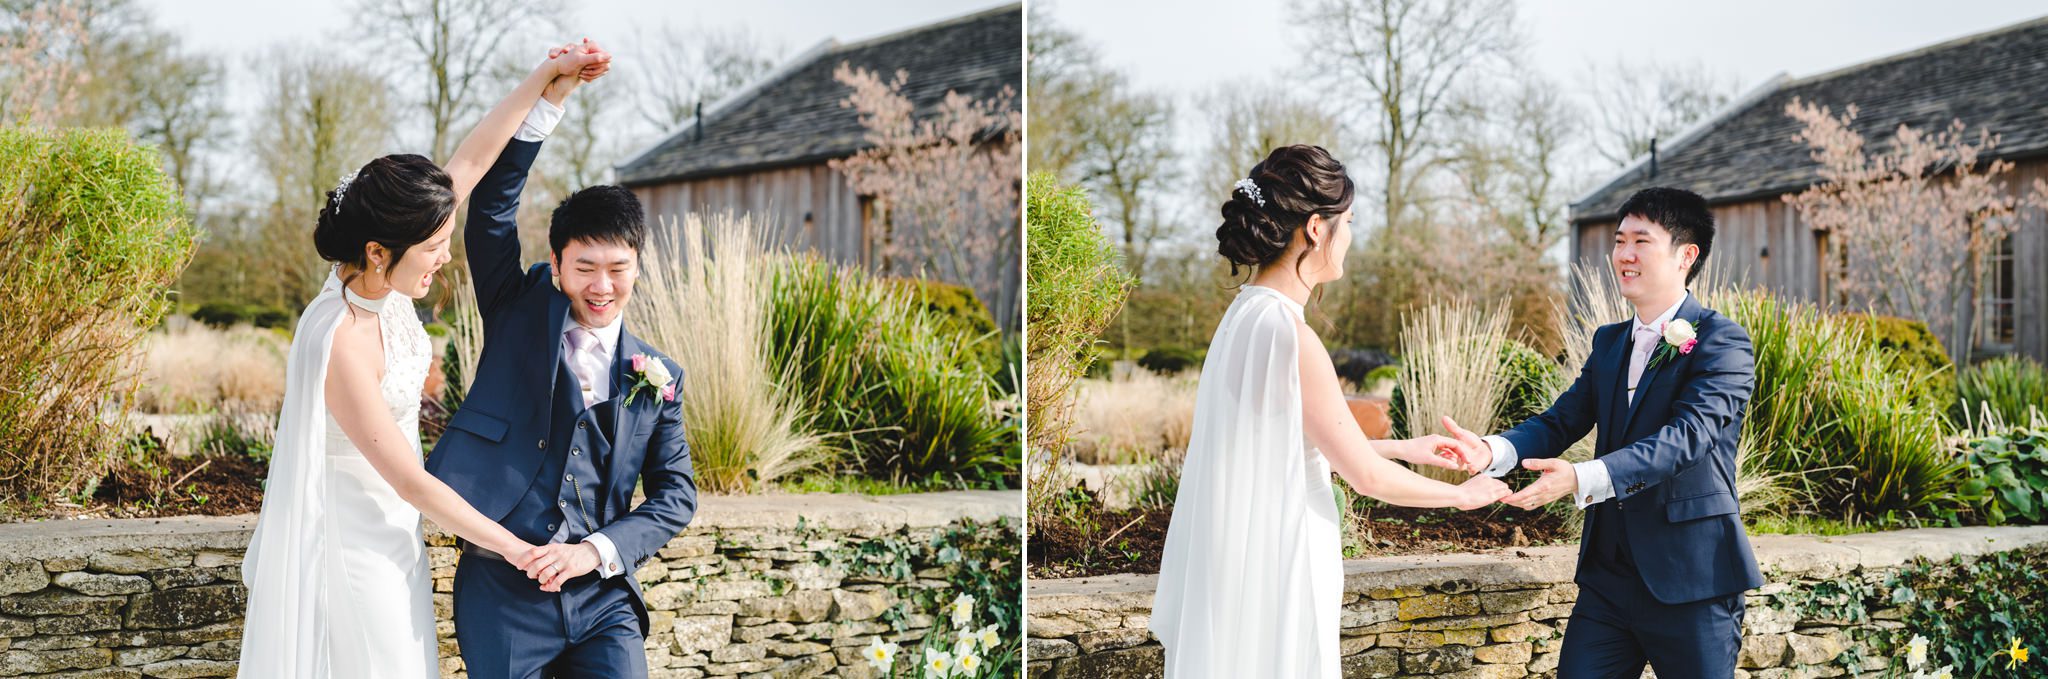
(700, 123)
(1653, 157)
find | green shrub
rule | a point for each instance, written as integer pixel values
(1911, 349)
(1829, 409)
(1530, 380)
(95, 234)
(2005, 477)
(904, 389)
(2006, 387)
(226, 314)
(1078, 285)
(959, 313)
(1169, 360)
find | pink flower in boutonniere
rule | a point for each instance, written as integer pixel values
(651, 375)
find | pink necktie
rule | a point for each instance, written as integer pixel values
(582, 346)
(1646, 341)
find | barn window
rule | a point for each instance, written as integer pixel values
(1996, 315)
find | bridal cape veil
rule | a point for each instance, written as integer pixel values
(280, 637)
(1251, 579)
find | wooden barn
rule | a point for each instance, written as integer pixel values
(765, 149)
(1745, 158)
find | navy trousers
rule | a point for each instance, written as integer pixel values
(510, 629)
(1617, 626)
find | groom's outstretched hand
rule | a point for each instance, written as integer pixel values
(1558, 480)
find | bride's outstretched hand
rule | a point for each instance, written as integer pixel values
(1481, 491)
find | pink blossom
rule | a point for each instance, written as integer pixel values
(639, 362)
(1687, 347)
(668, 392)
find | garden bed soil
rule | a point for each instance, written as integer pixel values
(1130, 541)
(212, 485)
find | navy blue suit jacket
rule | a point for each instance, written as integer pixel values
(1671, 456)
(494, 445)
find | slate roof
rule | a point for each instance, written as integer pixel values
(1996, 80)
(793, 115)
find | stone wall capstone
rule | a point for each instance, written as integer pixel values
(757, 586)
(1502, 614)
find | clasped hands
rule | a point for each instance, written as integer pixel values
(1464, 450)
(552, 565)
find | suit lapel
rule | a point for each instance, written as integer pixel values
(622, 384)
(558, 310)
(1688, 311)
(1616, 360)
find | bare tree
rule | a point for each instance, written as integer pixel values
(1910, 224)
(182, 109)
(1066, 79)
(455, 45)
(1128, 160)
(1637, 101)
(1507, 155)
(322, 117)
(685, 67)
(1247, 121)
(1410, 56)
(42, 47)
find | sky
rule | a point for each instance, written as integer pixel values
(242, 30)
(1204, 42)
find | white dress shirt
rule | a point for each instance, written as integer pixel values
(539, 123)
(1595, 486)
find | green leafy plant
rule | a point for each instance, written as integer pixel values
(95, 234)
(2005, 478)
(1078, 285)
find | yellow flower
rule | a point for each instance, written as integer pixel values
(1944, 673)
(964, 641)
(2017, 652)
(1916, 652)
(970, 663)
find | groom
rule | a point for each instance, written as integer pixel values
(568, 412)
(1664, 561)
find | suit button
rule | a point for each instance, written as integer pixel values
(562, 503)
(551, 528)
(575, 451)
(579, 425)
(543, 444)
(569, 477)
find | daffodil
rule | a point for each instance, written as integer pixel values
(1944, 673)
(1916, 652)
(963, 610)
(964, 641)
(880, 654)
(989, 639)
(2017, 652)
(970, 663)
(938, 663)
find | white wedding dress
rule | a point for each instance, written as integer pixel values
(1252, 575)
(337, 572)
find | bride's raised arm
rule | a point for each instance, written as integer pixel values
(1329, 426)
(487, 139)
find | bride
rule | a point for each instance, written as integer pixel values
(1252, 578)
(337, 572)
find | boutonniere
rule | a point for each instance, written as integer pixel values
(651, 375)
(1679, 340)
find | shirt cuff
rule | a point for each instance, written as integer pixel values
(540, 122)
(1594, 485)
(607, 555)
(1504, 458)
